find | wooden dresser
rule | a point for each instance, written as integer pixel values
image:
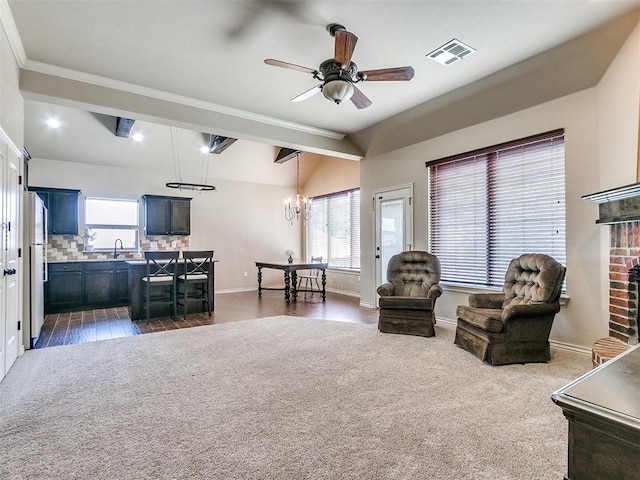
(603, 410)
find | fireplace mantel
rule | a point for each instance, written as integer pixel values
(617, 205)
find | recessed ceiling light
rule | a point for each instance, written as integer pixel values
(204, 149)
(137, 137)
(53, 123)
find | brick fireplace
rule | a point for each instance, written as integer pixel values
(624, 266)
(619, 209)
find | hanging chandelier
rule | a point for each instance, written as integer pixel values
(298, 208)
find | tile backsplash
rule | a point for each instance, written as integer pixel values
(65, 248)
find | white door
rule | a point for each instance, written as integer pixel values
(11, 260)
(393, 227)
(5, 361)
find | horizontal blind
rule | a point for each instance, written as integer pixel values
(457, 221)
(485, 210)
(317, 230)
(333, 231)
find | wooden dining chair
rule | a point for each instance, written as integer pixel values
(310, 278)
(194, 280)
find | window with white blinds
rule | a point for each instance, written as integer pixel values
(333, 231)
(489, 206)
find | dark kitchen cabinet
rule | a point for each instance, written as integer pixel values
(100, 283)
(62, 209)
(64, 289)
(122, 283)
(86, 285)
(167, 215)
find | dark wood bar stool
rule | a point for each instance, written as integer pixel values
(159, 282)
(195, 280)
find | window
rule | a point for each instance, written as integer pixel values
(107, 220)
(489, 206)
(333, 231)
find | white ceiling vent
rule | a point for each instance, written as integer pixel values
(451, 52)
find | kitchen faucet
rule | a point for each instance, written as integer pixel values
(115, 248)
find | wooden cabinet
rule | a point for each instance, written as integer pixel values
(99, 283)
(86, 285)
(167, 215)
(62, 209)
(603, 413)
(64, 290)
(122, 283)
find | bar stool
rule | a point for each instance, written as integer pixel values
(160, 280)
(194, 279)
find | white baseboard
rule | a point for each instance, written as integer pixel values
(343, 292)
(569, 347)
(237, 290)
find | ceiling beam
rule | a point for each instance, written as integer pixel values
(97, 95)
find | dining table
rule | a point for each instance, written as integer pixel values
(290, 270)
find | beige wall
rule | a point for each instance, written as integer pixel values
(241, 221)
(587, 117)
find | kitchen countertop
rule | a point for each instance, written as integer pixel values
(119, 259)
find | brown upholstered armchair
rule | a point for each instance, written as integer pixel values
(514, 326)
(408, 298)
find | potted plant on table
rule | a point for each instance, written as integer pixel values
(289, 254)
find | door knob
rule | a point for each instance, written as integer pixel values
(9, 271)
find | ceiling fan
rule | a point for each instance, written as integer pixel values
(339, 74)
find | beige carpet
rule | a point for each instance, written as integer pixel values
(285, 398)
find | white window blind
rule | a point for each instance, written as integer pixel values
(492, 205)
(333, 231)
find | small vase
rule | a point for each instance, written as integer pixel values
(290, 259)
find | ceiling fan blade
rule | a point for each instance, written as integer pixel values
(359, 99)
(309, 93)
(387, 74)
(344, 47)
(291, 66)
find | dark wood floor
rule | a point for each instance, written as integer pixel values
(102, 324)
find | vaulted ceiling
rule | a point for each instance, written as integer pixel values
(200, 65)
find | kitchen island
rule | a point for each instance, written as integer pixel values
(137, 270)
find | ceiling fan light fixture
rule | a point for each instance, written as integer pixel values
(338, 90)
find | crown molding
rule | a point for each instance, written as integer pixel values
(48, 69)
(10, 29)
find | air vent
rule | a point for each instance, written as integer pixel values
(451, 52)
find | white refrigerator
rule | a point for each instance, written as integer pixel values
(37, 268)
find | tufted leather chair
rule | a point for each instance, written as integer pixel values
(409, 296)
(514, 326)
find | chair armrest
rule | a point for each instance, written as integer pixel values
(513, 312)
(386, 289)
(486, 300)
(434, 292)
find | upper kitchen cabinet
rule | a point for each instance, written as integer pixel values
(62, 209)
(167, 215)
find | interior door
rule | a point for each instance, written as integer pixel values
(5, 363)
(11, 260)
(393, 227)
